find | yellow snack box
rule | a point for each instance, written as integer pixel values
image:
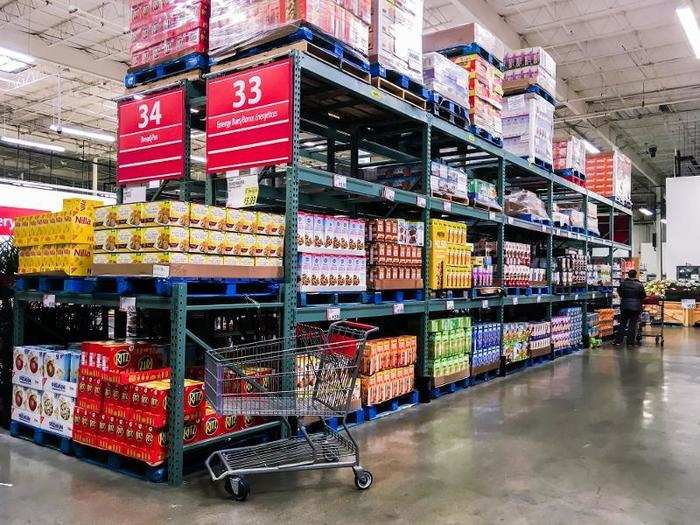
(128, 215)
(165, 238)
(128, 258)
(104, 258)
(105, 241)
(273, 246)
(216, 243)
(165, 257)
(77, 204)
(128, 240)
(105, 217)
(73, 259)
(198, 240)
(269, 223)
(198, 258)
(241, 221)
(239, 261)
(199, 215)
(244, 244)
(216, 218)
(165, 213)
(268, 261)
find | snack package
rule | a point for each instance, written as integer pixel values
(528, 127)
(524, 202)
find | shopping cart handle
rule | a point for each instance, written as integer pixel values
(356, 326)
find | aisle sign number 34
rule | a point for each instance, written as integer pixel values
(249, 118)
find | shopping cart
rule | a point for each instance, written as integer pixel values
(651, 320)
(312, 373)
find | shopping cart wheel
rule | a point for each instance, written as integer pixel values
(237, 487)
(363, 479)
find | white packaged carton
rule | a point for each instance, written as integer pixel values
(528, 127)
(446, 78)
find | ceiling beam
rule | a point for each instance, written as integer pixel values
(63, 56)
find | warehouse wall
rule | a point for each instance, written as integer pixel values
(683, 215)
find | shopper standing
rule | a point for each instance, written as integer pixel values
(631, 293)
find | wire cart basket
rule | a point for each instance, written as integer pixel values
(651, 321)
(310, 374)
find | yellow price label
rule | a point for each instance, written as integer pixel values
(250, 197)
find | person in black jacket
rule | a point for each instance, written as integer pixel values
(631, 293)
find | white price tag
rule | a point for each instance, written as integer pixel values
(127, 304)
(135, 193)
(388, 194)
(160, 270)
(575, 297)
(485, 304)
(420, 201)
(397, 308)
(593, 295)
(539, 298)
(49, 300)
(559, 232)
(510, 220)
(154, 184)
(492, 216)
(332, 314)
(340, 181)
(688, 304)
(515, 300)
(449, 305)
(561, 297)
(242, 191)
(544, 227)
(446, 206)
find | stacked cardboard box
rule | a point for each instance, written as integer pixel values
(610, 175)
(528, 127)
(472, 33)
(236, 23)
(449, 346)
(395, 36)
(570, 154)
(450, 255)
(167, 232)
(446, 78)
(395, 254)
(606, 321)
(332, 255)
(485, 93)
(44, 386)
(527, 67)
(539, 340)
(162, 31)
(386, 368)
(515, 341)
(449, 182)
(486, 346)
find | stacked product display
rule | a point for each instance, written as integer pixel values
(482, 272)
(449, 345)
(610, 175)
(528, 127)
(593, 321)
(332, 255)
(606, 321)
(44, 386)
(387, 369)
(237, 23)
(599, 275)
(450, 255)
(515, 341)
(561, 332)
(395, 37)
(446, 78)
(575, 315)
(448, 182)
(473, 33)
(163, 31)
(570, 269)
(528, 67)
(168, 232)
(394, 254)
(525, 204)
(540, 338)
(486, 347)
(483, 194)
(403, 176)
(516, 262)
(57, 242)
(570, 155)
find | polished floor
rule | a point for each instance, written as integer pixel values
(605, 436)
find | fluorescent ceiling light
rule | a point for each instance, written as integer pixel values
(32, 144)
(198, 159)
(663, 221)
(14, 62)
(646, 212)
(590, 148)
(690, 26)
(83, 133)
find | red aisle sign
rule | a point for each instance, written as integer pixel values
(8, 214)
(249, 118)
(151, 138)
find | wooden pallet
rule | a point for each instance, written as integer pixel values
(403, 94)
(227, 64)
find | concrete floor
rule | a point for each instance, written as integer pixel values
(608, 436)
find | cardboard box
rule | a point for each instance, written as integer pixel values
(199, 215)
(105, 241)
(396, 36)
(165, 238)
(166, 213)
(240, 221)
(464, 35)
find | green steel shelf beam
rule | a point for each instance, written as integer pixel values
(310, 314)
(461, 210)
(232, 306)
(153, 302)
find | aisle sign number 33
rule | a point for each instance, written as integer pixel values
(249, 118)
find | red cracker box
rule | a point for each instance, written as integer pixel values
(211, 423)
(152, 398)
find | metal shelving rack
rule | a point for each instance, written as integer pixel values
(390, 128)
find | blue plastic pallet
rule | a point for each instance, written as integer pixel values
(538, 90)
(448, 110)
(398, 296)
(124, 465)
(332, 46)
(518, 291)
(483, 377)
(40, 436)
(539, 163)
(473, 49)
(174, 66)
(356, 417)
(540, 359)
(570, 172)
(50, 284)
(399, 79)
(453, 294)
(450, 388)
(515, 366)
(569, 289)
(534, 219)
(391, 406)
(488, 137)
(329, 298)
(162, 286)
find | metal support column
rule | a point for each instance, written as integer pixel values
(501, 189)
(611, 258)
(178, 329)
(186, 179)
(550, 248)
(425, 216)
(330, 155)
(18, 314)
(584, 303)
(210, 190)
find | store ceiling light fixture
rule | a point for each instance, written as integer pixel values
(690, 26)
(645, 211)
(590, 148)
(32, 144)
(82, 133)
(13, 61)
